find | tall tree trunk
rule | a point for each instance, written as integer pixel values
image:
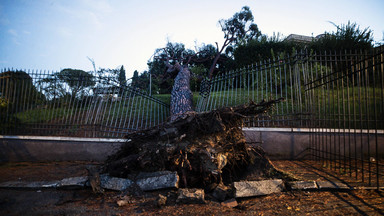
(181, 95)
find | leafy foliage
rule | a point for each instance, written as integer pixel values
(262, 49)
(121, 77)
(237, 30)
(240, 28)
(347, 36)
(67, 83)
(161, 80)
(77, 80)
(17, 91)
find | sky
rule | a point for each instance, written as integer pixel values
(56, 34)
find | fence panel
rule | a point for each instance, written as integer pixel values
(74, 103)
(338, 96)
(280, 78)
(346, 101)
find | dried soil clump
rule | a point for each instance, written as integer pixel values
(204, 148)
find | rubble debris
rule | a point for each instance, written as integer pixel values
(134, 190)
(157, 180)
(121, 203)
(258, 188)
(73, 182)
(190, 196)
(221, 192)
(94, 179)
(32, 185)
(125, 200)
(114, 183)
(303, 185)
(231, 203)
(161, 200)
(328, 185)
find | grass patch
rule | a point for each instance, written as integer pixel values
(345, 108)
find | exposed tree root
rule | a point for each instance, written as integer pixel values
(204, 148)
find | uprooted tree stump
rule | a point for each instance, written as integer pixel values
(204, 148)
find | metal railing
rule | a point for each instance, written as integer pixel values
(273, 79)
(346, 102)
(338, 96)
(77, 104)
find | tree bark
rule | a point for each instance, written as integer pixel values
(181, 95)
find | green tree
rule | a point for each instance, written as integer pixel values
(77, 80)
(67, 82)
(237, 30)
(18, 91)
(205, 56)
(135, 79)
(347, 37)
(161, 80)
(199, 71)
(122, 78)
(263, 48)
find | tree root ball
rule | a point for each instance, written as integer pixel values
(204, 148)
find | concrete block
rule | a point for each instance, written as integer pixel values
(31, 185)
(73, 182)
(303, 185)
(190, 196)
(258, 188)
(158, 180)
(113, 183)
(328, 185)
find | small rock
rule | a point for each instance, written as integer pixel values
(158, 180)
(94, 180)
(190, 195)
(221, 192)
(169, 132)
(125, 200)
(122, 203)
(230, 203)
(161, 200)
(258, 188)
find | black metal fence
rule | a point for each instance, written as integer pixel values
(346, 100)
(272, 79)
(75, 103)
(338, 96)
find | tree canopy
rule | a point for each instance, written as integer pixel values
(244, 45)
(347, 37)
(67, 82)
(18, 91)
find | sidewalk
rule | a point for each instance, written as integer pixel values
(84, 202)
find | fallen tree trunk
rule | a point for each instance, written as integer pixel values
(181, 95)
(204, 148)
